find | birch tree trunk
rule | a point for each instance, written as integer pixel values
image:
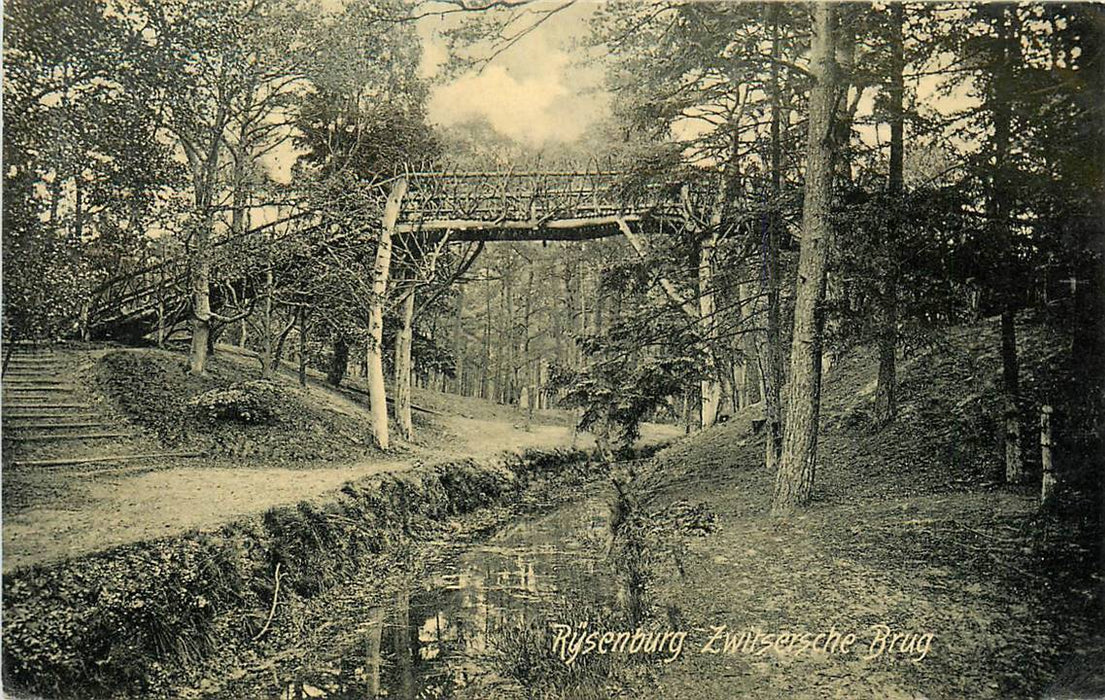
(374, 360)
(403, 369)
(794, 480)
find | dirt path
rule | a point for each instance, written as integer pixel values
(486, 438)
(79, 511)
(123, 508)
(51, 513)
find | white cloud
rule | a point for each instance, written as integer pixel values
(532, 110)
(534, 92)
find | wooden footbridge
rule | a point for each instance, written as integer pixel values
(465, 206)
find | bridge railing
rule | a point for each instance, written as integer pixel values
(529, 196)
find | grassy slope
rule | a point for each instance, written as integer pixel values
(152, 388)
(908, 529)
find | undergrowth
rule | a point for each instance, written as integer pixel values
(221, 413)
(148, 617)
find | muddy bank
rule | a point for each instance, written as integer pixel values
(148, 618)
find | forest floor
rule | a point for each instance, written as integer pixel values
(909, 530)
(51, 513)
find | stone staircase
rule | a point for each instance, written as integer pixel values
(51, 417)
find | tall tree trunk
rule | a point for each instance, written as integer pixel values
(528, 366)
(1001, 109)
(339, 361)
(374, 353)
(1015, 472)
(771, 355)
(403, 341)
(510, 330)
(581, 296)
(707, 307)
(485, 369)
(746, 379)
(201, 281)
(794, 480)
(886, 401)
(205, 170)
(241, 193)
(201, 307)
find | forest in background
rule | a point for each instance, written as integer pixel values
(203, 172)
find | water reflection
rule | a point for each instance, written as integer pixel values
(436, 637)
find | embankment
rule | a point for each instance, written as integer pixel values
(148, 618)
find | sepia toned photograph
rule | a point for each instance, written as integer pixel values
(552, 349)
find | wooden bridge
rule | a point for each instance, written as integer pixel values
(497, 206)
(468, 206)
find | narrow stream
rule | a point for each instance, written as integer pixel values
(442, 634)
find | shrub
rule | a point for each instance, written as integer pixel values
(255, 402)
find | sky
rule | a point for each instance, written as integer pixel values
(541, 90)
(538, 91)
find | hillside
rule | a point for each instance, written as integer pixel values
(909, 529)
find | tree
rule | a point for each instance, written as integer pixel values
(715, 96)
(1021, 60)
(636, 362)
(82, 164)
(886, 404)
(353, 143)
(794, 480)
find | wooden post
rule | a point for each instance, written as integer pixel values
(303, 346)
(1048, 482)
(160, 321)
(161, 308)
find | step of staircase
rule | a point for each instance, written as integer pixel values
(23, 368)
(74, 436)
(108, 459)
(59, 426)
(39, 404)
(51, 420)
(24, 388)
(21, 414)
